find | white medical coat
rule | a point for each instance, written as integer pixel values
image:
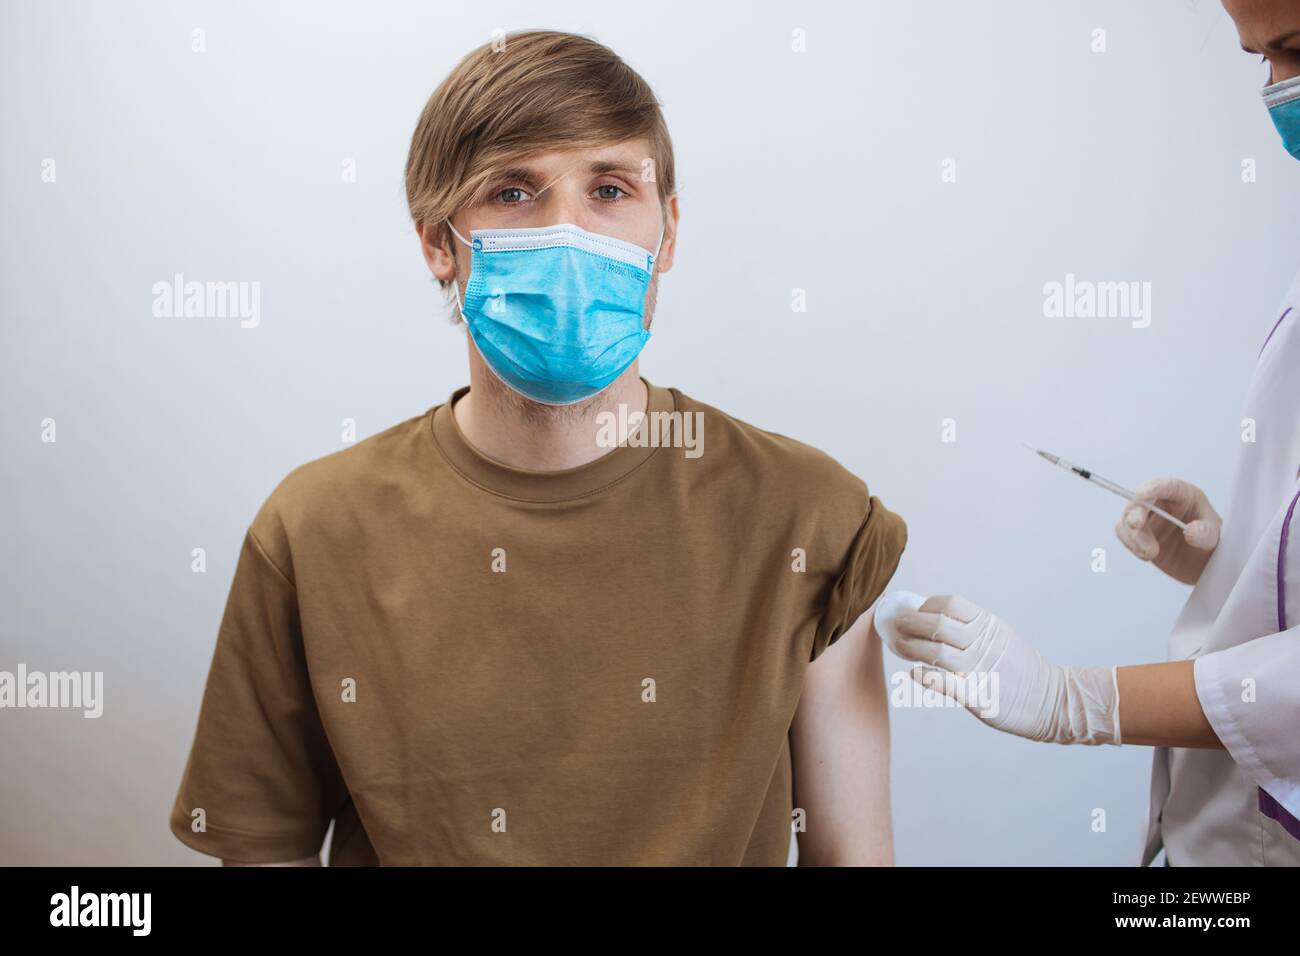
(1241, 624)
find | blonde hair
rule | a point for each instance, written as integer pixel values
(531, 92)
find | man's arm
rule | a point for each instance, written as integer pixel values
(839, 743)
(305, 861)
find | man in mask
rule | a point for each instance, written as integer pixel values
(568, 616)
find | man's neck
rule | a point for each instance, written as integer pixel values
(509, 429)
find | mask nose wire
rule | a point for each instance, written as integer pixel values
(663, 228)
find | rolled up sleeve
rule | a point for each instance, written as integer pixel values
(1251, 696)
(872, 558)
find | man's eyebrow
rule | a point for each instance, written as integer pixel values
(522, 173)
(509, 174)
(612, 166)
(529, 177)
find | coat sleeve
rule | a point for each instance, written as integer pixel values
(1251, 696)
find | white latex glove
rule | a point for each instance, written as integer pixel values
(974, 657)
(1180, 554)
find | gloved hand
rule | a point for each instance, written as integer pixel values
(1180, 554)
(975, 658)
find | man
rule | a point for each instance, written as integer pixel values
(568, 617)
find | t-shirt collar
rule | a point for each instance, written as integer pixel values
(526, 485)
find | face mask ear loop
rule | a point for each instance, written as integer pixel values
(458, 235)
(455, 285)
(655, 258)
(455, 289)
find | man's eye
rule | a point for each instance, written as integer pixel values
(512, 195)
(609, 191)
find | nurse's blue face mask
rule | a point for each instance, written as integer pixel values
(1283, 102)
(557, 312)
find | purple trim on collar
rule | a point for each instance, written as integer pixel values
(1281, 565)
(1267, 805)
(1275, 811)
(1274, 329)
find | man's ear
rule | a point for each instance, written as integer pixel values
(433, 244)
(669, 249)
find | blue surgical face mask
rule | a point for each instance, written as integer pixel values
(1283, 102)
(556, 312)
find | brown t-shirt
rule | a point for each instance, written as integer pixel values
(463, 663)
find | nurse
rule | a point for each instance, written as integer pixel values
(1224, 713)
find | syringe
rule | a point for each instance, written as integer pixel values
(1105, 483)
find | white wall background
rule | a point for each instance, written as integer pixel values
(818, 170)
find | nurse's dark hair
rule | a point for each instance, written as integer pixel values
(526, 93)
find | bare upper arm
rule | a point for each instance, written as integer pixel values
(305, 861)
(839, 744)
